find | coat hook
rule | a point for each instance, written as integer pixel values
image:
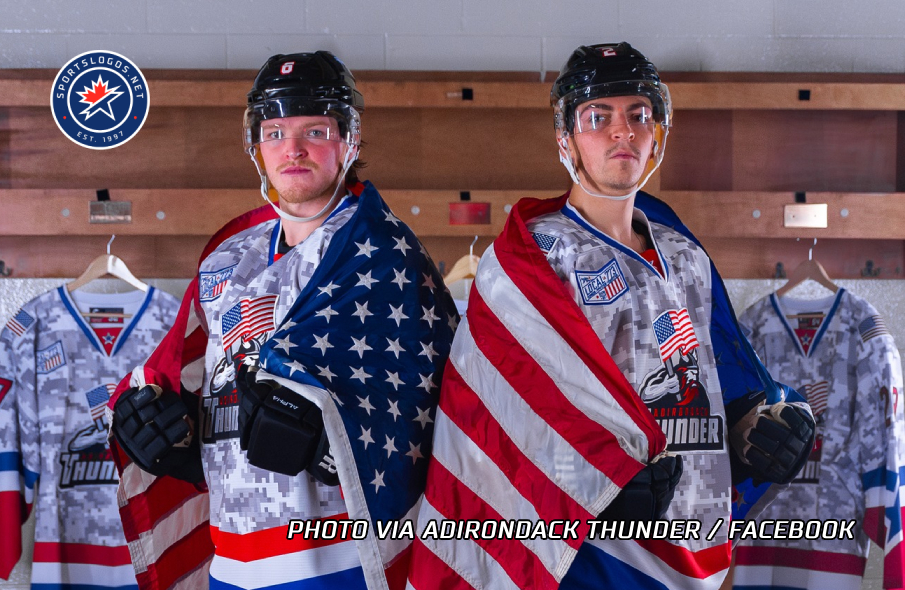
(113, 237)
(471, 248)
(5, 272)
(811, 250)
(869, 270)
(780, 272)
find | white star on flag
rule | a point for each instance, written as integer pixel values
(360, 346)
(452, 323)
(394, 409)
(390, 447)
(394, 379)
(326, 313)
(295, 366)
(428, 281)
(365, 249)
(366, 437)
(427, 382)
(326, 372)
(429, 316)
(378, 480)
(392, 219)
(361, 311)
(359, 374)
(415, 452)
(397, 314)
(427, 349)
(366, 404)
(402, 245)
(322, 344)
(287, 326)
(328, 289)
(284, 344)
(365, 280)
(423, 417)
(400, 278)
(395, 347)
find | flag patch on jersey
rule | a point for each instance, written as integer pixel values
(544, 241)
(20, 322)
(816, 395)
(50, 359)
(603, 286)
(872, 327)
(211, 284)
(251, 317)
(675, 332)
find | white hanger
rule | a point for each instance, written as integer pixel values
(104, 265)
(464, 268)
(809, 269)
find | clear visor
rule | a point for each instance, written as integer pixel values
(301, 118)
(594, 116)
(658, 111)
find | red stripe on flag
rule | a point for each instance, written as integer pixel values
(180, 559)
(893, 568)
(528, 268)
(81, 553)
(433, 573)
(693, 564)
(821, 561)
(270, 542)
(455, 501)
(595, 443)
(164, 496)
(874, 524)
(466, 411)
(397, 571)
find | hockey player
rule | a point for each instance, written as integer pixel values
(600, 372)
(298, 379)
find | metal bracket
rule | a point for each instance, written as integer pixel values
(780, 272)
(869, 270)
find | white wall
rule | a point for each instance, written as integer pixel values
(535, 35)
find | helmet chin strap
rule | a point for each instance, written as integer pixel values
(349, 158)
(569, 163)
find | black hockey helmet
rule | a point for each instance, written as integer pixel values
(304, 84)
(607, 69)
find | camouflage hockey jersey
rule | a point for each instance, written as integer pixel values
(246, 288)
(656, 328)
(837, 352)
(58, 368)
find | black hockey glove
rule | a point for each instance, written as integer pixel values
(771, 442)
(282, 431)
(153, 427)
(647, 495)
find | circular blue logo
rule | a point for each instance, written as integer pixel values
(100, 99)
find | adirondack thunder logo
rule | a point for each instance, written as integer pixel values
(673, 393)
(244, 328)
(89, 460)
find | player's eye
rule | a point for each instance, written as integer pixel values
(642, 116)
(320, 132)
(274, 133)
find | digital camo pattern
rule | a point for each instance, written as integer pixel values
(657, 331)
(244, 498)
(837, 352)
(55, 380)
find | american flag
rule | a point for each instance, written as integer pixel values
(872, 327)
(50, 358)
(517, 436)
(97, 400)
(816, 394)
(20, 322)
(250, 317)
(674, 332)
(368, 339)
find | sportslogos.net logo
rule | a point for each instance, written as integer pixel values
(99, 99)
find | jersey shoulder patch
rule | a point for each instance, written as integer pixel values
(872, 327)
(603, 286)
(545, 242)
(20, 322)
(211, 284)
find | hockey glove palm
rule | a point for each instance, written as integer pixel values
(153, 427)
(771, 442)
(282, 431)
(647, 495)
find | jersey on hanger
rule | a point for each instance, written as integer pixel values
(838, 353)
(57, 371)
